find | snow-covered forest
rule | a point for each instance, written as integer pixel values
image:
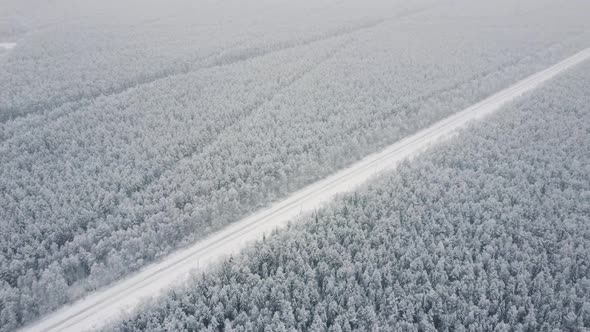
(125, 135)
(488, 233)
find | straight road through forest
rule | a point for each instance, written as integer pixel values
(102, 306)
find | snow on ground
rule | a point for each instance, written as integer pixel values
(7, 46)
(103, 306)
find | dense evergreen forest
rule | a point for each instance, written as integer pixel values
(124, 139)
(489, 233)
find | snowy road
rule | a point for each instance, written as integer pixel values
(98, 308)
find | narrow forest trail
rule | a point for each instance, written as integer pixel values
(102, 306)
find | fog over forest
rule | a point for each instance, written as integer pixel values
(131, 129)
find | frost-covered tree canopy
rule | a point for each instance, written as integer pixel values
(126, 134)
(489, 233)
